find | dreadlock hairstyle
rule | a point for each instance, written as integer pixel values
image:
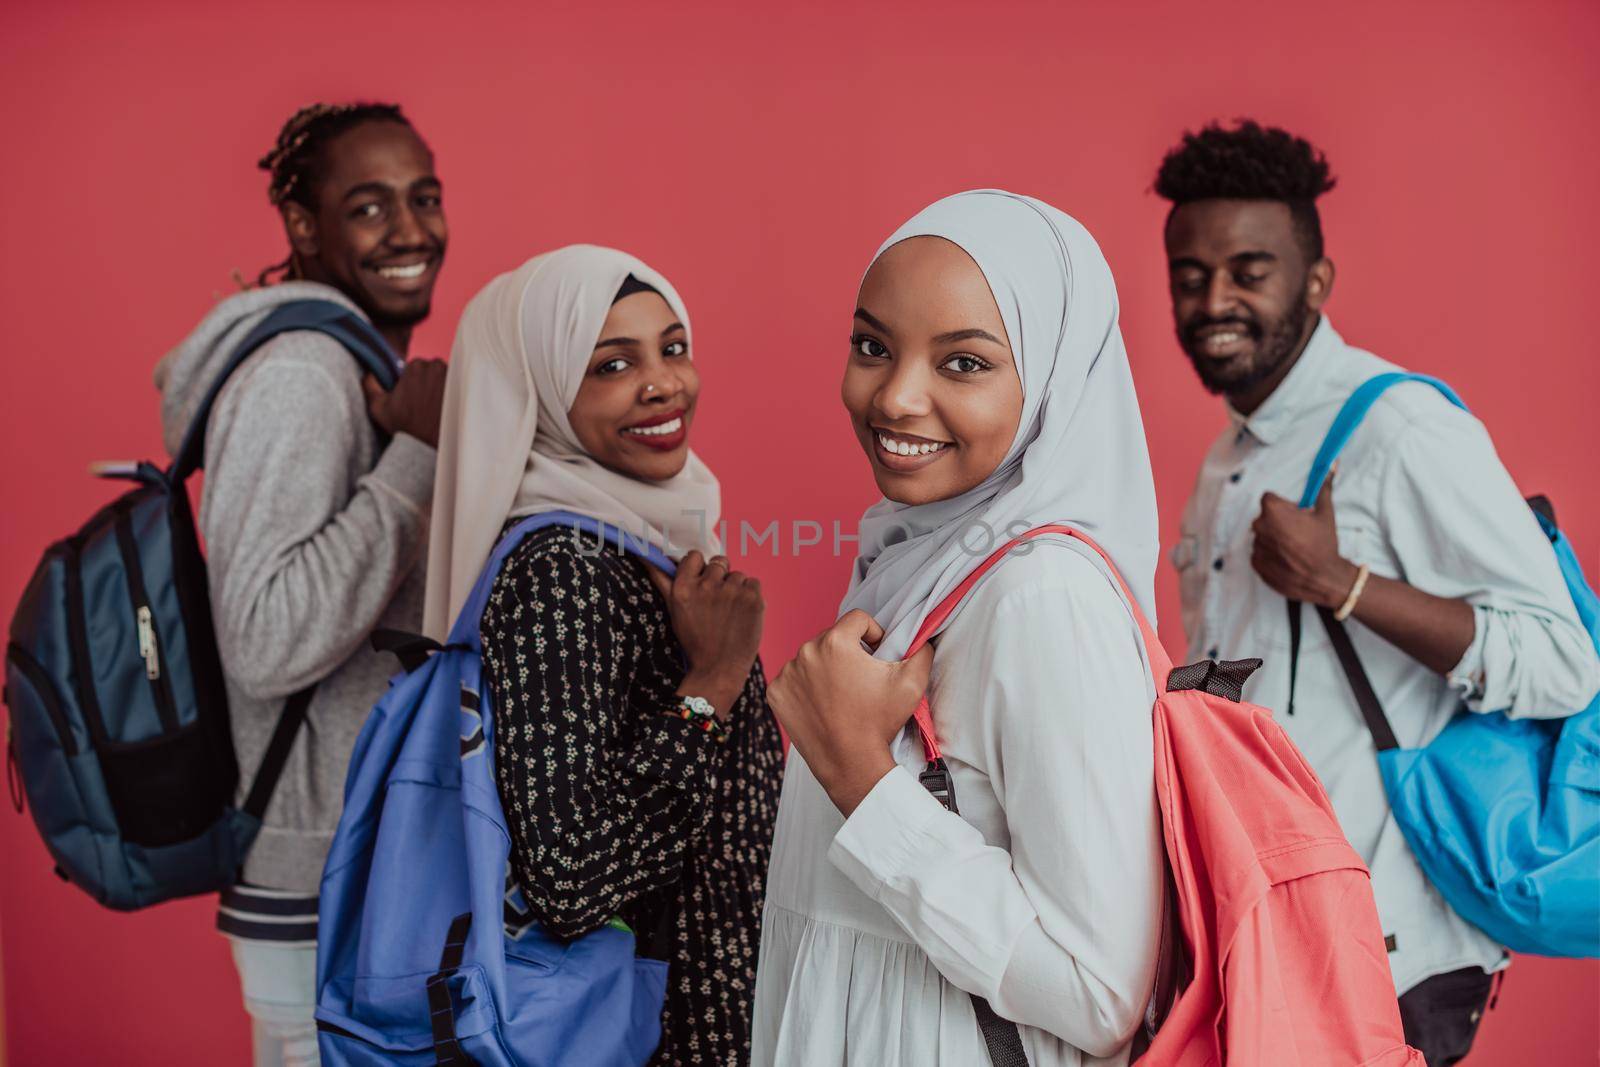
(1250, 162)
(297, 158)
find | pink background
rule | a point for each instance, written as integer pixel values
(757, 154)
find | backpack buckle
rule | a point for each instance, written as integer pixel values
(935, 778)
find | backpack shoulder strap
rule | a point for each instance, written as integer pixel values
(464, 631)
(277, 754)
(1160, 662)
(1355, 409)
(1344, 427)
(352, 331)
(372, 353)
(1001, 1036)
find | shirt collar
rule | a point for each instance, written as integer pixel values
(1298, 390)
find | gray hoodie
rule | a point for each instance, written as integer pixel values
(315, 535)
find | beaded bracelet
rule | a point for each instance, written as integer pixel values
(698, 712)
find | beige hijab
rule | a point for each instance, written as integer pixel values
(505, 445)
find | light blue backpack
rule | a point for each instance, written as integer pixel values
(1502, 814)
(425, 952)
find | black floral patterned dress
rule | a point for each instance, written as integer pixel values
(615, 807)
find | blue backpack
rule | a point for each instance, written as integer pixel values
(426, 953)
(119, 719)
(1502, 814)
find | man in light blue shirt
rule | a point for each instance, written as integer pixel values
(1420, 540)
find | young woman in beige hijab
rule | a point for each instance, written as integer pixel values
(637, 760)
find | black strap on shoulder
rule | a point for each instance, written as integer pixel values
(659, 941)
(272, 764)
(447, 1049)
(352, 331)
(412, 650)
(1544, 509)
(1360, 685)
(1004, 1041)
(1173, 969)
(935, 778)
(1541, 506)
(1294, 649)
(1000, 1036)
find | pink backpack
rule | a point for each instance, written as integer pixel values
(1271, 952)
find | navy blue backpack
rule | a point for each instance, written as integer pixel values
(426, 952)
(1502, 814)
(118, 732)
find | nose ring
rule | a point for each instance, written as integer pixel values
(650, 388)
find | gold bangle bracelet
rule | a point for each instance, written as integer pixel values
(1349, 605)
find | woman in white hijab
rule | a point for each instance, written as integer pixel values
(635, 753)
(989, 387)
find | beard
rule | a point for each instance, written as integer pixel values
(1274, 343)
(406, 316)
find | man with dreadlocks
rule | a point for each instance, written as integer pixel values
(1422, 540)
(314, 511)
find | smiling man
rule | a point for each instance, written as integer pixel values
(1421, 540)
(314, 512)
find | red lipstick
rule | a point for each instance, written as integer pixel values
(655, 433)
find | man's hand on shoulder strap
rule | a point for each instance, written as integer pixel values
(1296, 552)
(415, 404)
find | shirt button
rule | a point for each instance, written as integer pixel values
(1235, 476)
(1216, 564)
(1211, 653)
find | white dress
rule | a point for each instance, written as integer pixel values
(1042, 895)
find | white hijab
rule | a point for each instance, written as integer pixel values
(1079, 456)
(505, 445)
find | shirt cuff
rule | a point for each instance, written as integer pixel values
(406, 470)
(886, 838)
(1467, 677)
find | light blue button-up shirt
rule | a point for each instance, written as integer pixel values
(1419, 496)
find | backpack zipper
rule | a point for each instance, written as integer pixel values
(147, 645)
(39, 678)
(145, 624)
